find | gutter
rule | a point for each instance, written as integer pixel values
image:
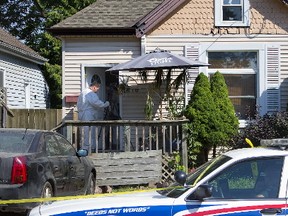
(92, 31)
(4, 47)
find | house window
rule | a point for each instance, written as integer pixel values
(234, 13)
(239, 70)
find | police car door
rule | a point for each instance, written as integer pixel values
(243, 188)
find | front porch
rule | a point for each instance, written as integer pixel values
(130, 151)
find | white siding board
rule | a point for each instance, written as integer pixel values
(18, 72)
(176, 44)
(284, 75)
(93, 51)
(79, 59)
(166, 39)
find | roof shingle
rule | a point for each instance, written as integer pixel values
(125, 17)
(109, 14)
(11, 43)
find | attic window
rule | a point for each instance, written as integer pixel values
(234, 13)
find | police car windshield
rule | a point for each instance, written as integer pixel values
(175, 190)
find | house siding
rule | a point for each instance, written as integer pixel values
(177, 45)
(93, 51)
(194, 23)
(197, 17)
(284, 75)
(18, 73)
(191, 24)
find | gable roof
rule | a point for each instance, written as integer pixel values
(106, 17)
(11, 44)
(116, 17)
(147, 22)
(119, 17)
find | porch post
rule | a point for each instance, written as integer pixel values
(184, 151)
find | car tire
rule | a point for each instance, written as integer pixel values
(91, 184)
(47, 190)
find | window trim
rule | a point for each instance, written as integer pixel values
(242, 72)
(218, 11)
(260, 74)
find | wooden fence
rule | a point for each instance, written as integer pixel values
(128, 168)
(131, 151)
(45, 119)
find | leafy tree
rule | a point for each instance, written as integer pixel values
(227, 123)
(201, 112)
(54, 78)
(194, 147)
(28, 20)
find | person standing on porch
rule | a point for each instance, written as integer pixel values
(88, 106)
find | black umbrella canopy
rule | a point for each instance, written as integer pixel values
(158, 59)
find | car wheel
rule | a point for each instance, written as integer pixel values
(91, 184)
(47, 190)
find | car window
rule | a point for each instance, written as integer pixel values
(15, 141)
(175, 190)
(66, 147)
(254, 178)
(52, 147)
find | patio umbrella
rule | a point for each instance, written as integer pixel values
(158, 59)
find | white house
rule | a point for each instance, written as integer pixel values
(22, 83)
(246, 40)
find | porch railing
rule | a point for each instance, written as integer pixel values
(128, 135)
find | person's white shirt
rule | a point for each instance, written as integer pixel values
(89, 104)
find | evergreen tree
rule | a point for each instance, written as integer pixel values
(227, 123)
(201, 113)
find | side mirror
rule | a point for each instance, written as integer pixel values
(180, 177)
(202, 191)
(82, 153)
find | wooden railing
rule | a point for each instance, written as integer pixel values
(128, 136)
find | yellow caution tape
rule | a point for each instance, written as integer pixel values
(249, 142)
(50, 199)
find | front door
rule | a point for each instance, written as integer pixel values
(107, 92)
(97, 74)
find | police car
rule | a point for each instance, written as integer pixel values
(250, 181)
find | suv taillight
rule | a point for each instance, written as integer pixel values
(19, 171)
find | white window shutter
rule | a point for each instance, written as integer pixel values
(192, 52)
(273, 80)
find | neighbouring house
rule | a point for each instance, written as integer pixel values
(246, 40)
(22, 83)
